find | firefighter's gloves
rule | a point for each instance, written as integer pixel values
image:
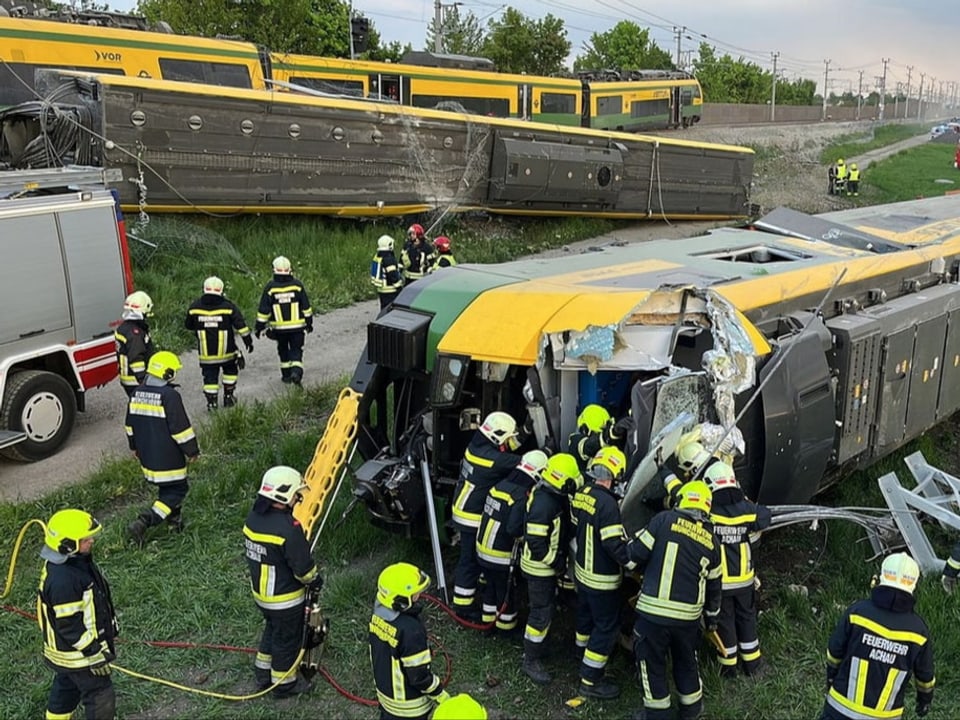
(248, 341)
(316, 585)
(101, 669)
(624, 427)
(949, 584)
(309, 325)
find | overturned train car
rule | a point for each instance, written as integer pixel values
(184, 147)
(847, 323)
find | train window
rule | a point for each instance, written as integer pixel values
(612, 105)
(756, 254)
(686, 95)
(14, 75)
(648, 108)
(559, 103)
(353, 88)
(491, 107)
(210, 73)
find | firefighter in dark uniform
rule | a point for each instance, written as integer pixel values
(407, 687)
(132, 338)
(281, 570)
(501, 528)
(690, 460)
(217, 323)
(601, 557)
(736, 521)
(877, 646)
(595, 430)
(161, 437)
(951, 570)
(543, 558)
(444, 255)
(417, 254)
(385, 272)
(285, 314)
(487, 461)
(77, 619)
(679, 557)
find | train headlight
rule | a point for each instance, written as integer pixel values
(449, 374)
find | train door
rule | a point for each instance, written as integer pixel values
(525, 102)
(676, 107)
(585, 105)
(390, 88)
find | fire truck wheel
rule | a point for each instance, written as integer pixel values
(41, 404)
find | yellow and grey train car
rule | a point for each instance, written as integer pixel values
(816, 344)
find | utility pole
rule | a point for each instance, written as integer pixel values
(906, 110)
(826, 76)
(437, 27)
(679, 31)
(883, 89)
(859, 94)
(896, 101)
(940, 97)
(933, 81)
(350, 28)
(773, 90)
(920, 98)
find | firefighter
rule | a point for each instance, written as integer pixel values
(134, 346)
(460, 707)
(690, 459)
(543, 558)
(444, 255)
(417, 254)
(853, 180)
(679, 557)
(76, 618)
(407, 687)
(832, 179)
(487, 460)
(877, 646)
(735, 521)
(285, 314)
(950, 571)
(217, 322)
(596, 429)
(385, 272)
(162, 439)
(601, 556)
(281, 571)
(501, 527)
(841, 180)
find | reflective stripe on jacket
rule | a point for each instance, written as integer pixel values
(160, 432)
(278, 557)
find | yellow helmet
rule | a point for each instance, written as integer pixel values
(719, 476)
(500, 428)
(213, 285)
(594, 418)
(282, 484)
(164, 365)
(67, 528)
(840, 161)
(138, 304)
(399, 583)
(562, 473)
(853, 166)
(460, 707)
(692, 456)
(900, 571)
(281, 265)
(532, 463)
(696, 495)
(608, 464)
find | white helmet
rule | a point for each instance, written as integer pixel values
(532, 463)
(691, 456)
(281, 266)
(282, 484)
(213, 285)
(900, 571)
(499, 428)
(719, 476)
(385, 243)
(137, 305)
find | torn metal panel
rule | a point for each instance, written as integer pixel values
(785, 221)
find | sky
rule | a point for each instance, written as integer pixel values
(854, 35)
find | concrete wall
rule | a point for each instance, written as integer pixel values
(736, 114)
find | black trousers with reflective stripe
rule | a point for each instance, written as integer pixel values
(542, 599)
(72, 688)
(290, 350)
(211, 373)
(652, 643)
(598, 615)
(737, 627)
(497, 594)
(170, 497)
(468, 571)
(282, 639)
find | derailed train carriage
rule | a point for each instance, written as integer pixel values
(821, 342)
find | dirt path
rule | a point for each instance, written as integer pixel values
(332, 351)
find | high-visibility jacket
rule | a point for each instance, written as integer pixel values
(601, 539)
(134, 348)
(483, 466)
(401, 660)
(442, 261)
(284, 305)
(216, 322)
(734, 520)
(547, 532)
(159, 431)
(416, 260)
(385, 272)
(853, 175)
(841, 173)
(876, 647)
(278, 556)
(75, 612)
(679, 557)
(501, 523)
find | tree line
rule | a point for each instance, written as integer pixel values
(514, 42)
